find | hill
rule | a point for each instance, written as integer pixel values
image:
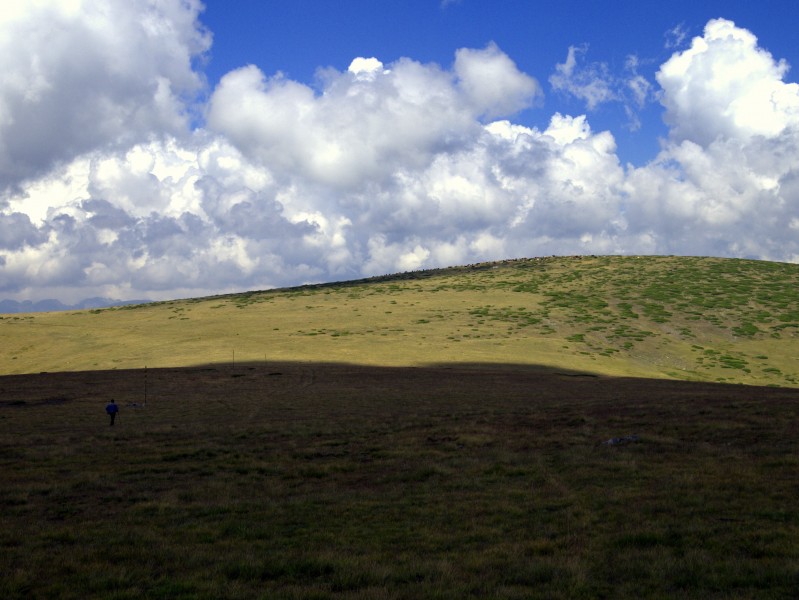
(483, 447)
(708, 319)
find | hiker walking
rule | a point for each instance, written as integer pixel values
(112, 409)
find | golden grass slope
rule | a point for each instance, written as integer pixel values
(670, 317)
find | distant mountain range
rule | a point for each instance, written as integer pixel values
(27, 306)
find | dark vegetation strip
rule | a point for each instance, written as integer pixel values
(332, 481)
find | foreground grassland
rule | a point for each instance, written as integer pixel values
(670, 317)
(321, 481)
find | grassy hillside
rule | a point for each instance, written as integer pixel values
(299, 478)
(673, 317)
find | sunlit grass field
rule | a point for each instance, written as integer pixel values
(673, 317)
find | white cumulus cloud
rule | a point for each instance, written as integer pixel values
(725, 85)
(492, 83)
(83, 74)
(380, 168)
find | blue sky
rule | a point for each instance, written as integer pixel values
(174, 148)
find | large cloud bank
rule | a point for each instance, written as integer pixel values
(109, 187)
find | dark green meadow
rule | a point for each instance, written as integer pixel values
(309, 480)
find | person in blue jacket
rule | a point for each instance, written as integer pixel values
(112, 409)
